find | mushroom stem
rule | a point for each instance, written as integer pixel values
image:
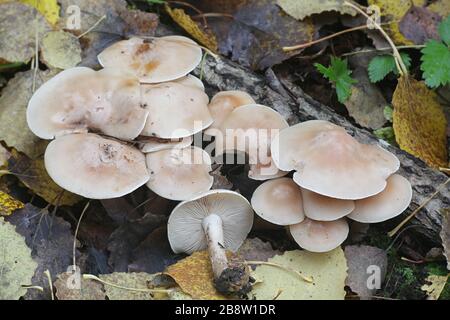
(212, 225)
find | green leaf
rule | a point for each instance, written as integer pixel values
(444, 30)
(338, 74)
(380, 66)
(387, 134)
(435, 64)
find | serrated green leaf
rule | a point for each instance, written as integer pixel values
(338, 74)
(435, 63)
(444, 30)
(387, 134)
(380, 66)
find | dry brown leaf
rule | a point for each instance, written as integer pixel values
(419, 122)
(435, 287)
(195, 277)
(68, 288)
(441, 7)
(300, 9)
(445, 235)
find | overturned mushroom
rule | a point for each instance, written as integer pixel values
(95, 167)
(330, 162)
(175, 110)
(387, 204)
(217, 220)
(153, 60)
(322, 208)
(279, 201)
(152, 144)
(320, 236)
(179, 174)
(80, 98)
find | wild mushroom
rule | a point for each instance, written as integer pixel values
(389, 203)
(179, 174)
(152, 144)
(175, 110)
(320, 236)
(218, 220)
(95, 167)
(330, 162)
(322, 208)
(279, 201)
(80, 98)
(153, 60)
(191, 81)
(223, 103)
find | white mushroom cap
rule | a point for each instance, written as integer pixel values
(320, 236)
(268, 171)
(330, 162)
(191, 81)
(185, 230)
(95, 167)
(179, 174)
(152, 144)
(388, 204)
(279, 201)
(322, 208)
(80, 98)
(175, 110)
(154, 60)
(224, 102)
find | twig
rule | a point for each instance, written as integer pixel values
(76, 233)
(417, 46)
(50, 284)
(265, 263)
(401, 224)
(93, 27)
(95, 278)
(212, 15)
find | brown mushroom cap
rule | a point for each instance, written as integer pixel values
(175, 110)
(95, 167)
(320, 236)
(152, 144)
(179, 174)
(80, 98)
(279, 201)
(322, 208)
(389, 203)
(330, 162)
(153, 60)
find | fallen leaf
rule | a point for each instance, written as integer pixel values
(419, 25)
(419, 122)
(328, 271)
(16, 265)
(300, 9)
(441, 7)
(66, 288)
(48, 8)
(203, 35)
(14, 129)
(127, 280)
(445, 235)
(255, 249)
(17, 35)
(359, 261)
(178, 294)
(51, 241)
(8, 204)
(4, 156)
(435, 287)
(60, 50)
(195, 277)
(220, 181)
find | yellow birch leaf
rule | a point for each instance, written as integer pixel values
(195, 277)
(204, 36)
(8, 204)
(441, 7)
(435, 287)
(393, 11)
(419, 122)
(48, 8)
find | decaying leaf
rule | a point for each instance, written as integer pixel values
(8, 204)
(419, 122)
(60, 50)
(300, 9)
(328, 271)
(445, 235)
(48, 8)
(393, 12)
(203, 35)
(33, 175)
(70, 286)
(441, 7)
(195, 277)
(419, 25)
(14, 129)
(16, 265)
(435, 287)
(17, 35)
(254, 249)
(131, 281)
(4, 156)
(365, 262)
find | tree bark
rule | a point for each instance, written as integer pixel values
(296, 106)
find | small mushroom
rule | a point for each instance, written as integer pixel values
(322, 208)
(95, 167)
(260, 171)
(152, 144)
(217, 220)
(223, 103)
(320, 236)
(175, 110)
(332, 163)
(387, 204)
(80, 98)
(191, 81)
(179, 174)
(279, 201)
(154, 60)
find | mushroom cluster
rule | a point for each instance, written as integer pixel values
(335, 177)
